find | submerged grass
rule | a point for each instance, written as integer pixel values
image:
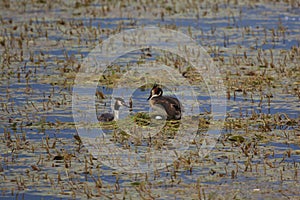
(256, 50)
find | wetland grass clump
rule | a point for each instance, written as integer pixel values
(142, 119)
(39, 62)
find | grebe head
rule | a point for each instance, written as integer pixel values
(156, 91)
(119, 102)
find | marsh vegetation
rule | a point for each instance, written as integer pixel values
(254, 44)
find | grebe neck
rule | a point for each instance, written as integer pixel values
(116, 114)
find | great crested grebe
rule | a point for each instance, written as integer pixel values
(107, 117)
(171, 105)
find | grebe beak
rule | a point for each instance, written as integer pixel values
(126, 105)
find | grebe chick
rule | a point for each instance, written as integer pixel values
(107, 117)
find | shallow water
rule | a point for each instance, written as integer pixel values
(36, 103)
